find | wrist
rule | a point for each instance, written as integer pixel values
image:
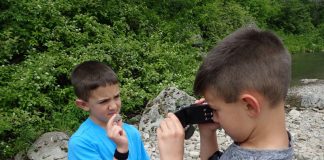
(208, 144)
(121, 155)
(207, 133)
(208, 138)
(122, 149)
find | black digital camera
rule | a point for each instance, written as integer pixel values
(194, 114)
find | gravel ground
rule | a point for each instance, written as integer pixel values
(307, 129)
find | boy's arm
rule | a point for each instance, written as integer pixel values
(170, 137)
(208, 140)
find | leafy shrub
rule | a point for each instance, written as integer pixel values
(218, 19)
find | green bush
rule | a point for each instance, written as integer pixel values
(218, 19)
(304, 43)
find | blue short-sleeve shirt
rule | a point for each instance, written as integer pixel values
(90, 141)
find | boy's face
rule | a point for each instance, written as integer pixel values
(232, 117)
(103, 103)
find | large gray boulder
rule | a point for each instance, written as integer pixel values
(169, 100)
(310, 94)
(50, 146)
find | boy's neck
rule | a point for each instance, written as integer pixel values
(270, 131)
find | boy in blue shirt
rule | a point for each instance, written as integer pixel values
(101, 137)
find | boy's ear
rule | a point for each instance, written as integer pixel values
(82, 104)
(252, 104)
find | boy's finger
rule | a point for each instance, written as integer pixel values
(200, 101)
(158, 131)
(175, 119)
(170, 123)
(163, 126)
(116, 131)
(111, 121)
(120, 122)
(159, 134)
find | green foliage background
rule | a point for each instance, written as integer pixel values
(151, 44)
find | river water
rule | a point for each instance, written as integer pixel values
(307, 66)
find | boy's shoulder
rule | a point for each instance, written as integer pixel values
(129, 125)
(236, 152)
(87, 130)
(130, 128)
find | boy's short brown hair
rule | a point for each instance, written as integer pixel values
(248, 59)
(90, 75)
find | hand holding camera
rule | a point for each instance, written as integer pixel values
(194, 114)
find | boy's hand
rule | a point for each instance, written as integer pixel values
(206, 128)
(117, 134)
(170, 137)
(208, 138)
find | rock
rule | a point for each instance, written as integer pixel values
(194, 154)
(134, 120)
(50, 146)
(294, 114)
(307, 133)
(310, 95)
(307, 81)
(20, 156)
(169, 100)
